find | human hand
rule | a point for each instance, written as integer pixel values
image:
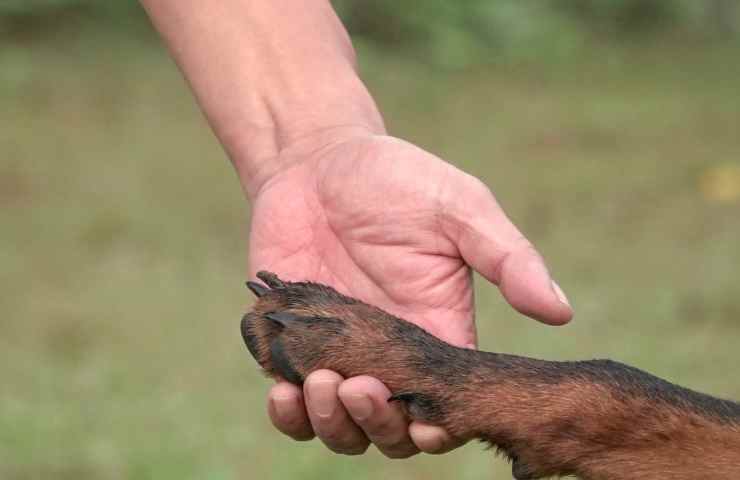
(384, 221)
(373, 216)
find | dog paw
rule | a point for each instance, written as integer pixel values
(292, 326)
(298, 327)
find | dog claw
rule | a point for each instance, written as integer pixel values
(257, 289)
(418, 405)
(270, 279)
(402, 397)
(283, 319)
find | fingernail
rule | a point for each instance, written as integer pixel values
(360, 407)
(322, 398)
(560, 294)
(283, 406)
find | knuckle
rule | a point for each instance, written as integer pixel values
(523, 245)
(479, 187)
(479, 192)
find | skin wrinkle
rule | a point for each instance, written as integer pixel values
(437, 291)
(301, 152)
(500, 263)
(387, 290)
(431, 322)
(462, 231)
(346, 251)
(403, 285)
(441, 211)
(255, 139)
(264, 239)
(391, 289)
(444, 205)
(342, 244)
(364, 229)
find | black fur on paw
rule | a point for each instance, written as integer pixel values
(270, 279)
(520, 470)
(420, 406)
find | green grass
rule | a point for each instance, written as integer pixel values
(123, 233)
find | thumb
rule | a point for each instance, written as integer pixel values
(495, 248)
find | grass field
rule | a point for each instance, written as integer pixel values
(123, 233)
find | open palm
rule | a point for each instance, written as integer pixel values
(384, 221)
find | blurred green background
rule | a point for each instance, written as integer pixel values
(609, 130)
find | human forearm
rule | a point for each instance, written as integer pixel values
(268, 74)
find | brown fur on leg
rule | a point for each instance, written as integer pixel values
(598, 419)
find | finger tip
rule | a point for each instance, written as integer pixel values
(288, 414)
(563, 316)
(527, 286)
(429, 438)
(284, 390)
(322, 376)
(554, 315)
(539, 301)
(552, 312)
(363, 385)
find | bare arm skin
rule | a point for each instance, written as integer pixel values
(336, 200)
(269, 75)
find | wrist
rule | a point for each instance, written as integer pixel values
(299, 91)
(267, 74)
(255, 173)
(298, 116)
